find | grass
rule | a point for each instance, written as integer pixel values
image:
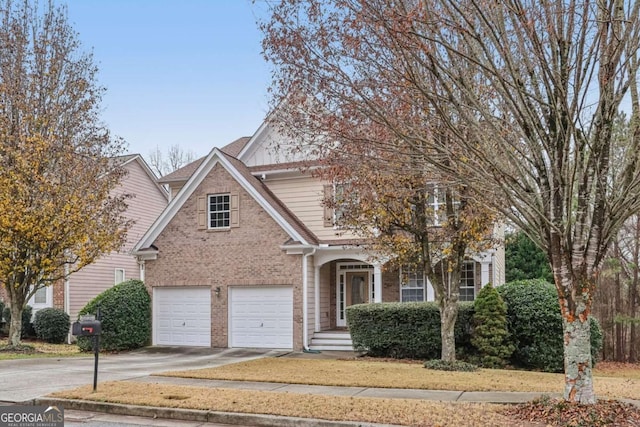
(387, 411)
(37, 349)
(611, 381)
(619, 383)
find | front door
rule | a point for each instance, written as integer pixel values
(353, 288)
(357, 288)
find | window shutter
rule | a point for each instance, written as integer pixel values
(328, 211)
(234, 210)
(202, 212)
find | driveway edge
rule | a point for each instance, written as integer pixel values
(233, 418)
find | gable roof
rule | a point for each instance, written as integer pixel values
(252, 185)
(183, 174)
(123, 161)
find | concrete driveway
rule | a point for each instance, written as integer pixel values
(26, 379)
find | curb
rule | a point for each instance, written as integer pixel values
(233, 418)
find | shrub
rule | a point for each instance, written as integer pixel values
(51, 325)
(535, 324)
(27, 327)
(490, 334)
(456, 365)
(404, 330)
(125, 312)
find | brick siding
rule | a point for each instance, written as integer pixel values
(249, 255)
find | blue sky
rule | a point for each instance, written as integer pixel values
(184, 72)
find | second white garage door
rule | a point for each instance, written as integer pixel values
(182, 316)
(261, 317)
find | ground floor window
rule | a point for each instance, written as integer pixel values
(467, 281)
(413, 285)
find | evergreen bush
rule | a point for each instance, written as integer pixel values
(490, 335)
(125, 312)
(51, 325)
(405, 330)
(535, 324)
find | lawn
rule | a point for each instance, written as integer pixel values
(621, 382)
(614, 381)
(35, 349)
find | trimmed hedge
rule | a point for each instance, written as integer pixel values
(535, 324)
(51, 325)
(405, 330)
(125, 311)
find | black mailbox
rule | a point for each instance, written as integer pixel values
(86, 328)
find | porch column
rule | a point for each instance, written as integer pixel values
(484, 274)
(377, 283)
(316, 280)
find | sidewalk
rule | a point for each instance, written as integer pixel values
(279, 421)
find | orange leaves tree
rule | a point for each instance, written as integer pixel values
(526, 93)
(57, 212)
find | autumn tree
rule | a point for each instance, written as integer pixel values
(57, 209)
(388, 192)
(175, 157)
(525, 94)
(417, 220)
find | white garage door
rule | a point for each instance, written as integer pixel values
(182, 316)
(261, 317)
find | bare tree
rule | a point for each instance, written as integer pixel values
(176, 157)
(525, 94)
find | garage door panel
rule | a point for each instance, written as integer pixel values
(182, 316)
(261, 317)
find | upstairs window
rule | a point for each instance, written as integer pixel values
(219, 210)
(334, 211)
(437, 203)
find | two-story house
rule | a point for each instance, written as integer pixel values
(246, 255)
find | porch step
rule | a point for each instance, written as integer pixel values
(331, 341)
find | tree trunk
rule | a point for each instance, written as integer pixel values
(577, 361)
(448, 316)
(15, 327)
(619, 354)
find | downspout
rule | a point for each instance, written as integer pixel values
(305, 301)
(66, 303)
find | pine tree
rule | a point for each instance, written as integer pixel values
(490, 335)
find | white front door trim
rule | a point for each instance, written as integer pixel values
(342, 268)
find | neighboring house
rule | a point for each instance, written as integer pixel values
(246, 255)
(148, 199)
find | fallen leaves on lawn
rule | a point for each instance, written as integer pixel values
(409, 412)
(369, 373)
(556, 412)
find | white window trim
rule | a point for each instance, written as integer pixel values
(228, 211)
(48, 299)
(473, 276)
(406, 271)
(115, 276)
